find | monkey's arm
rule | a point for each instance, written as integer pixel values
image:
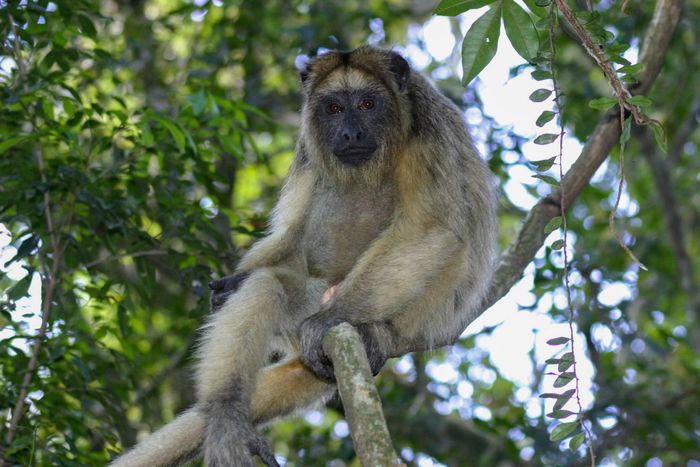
(403, 266)
(279, 245)
(409, 269)
(286, 220)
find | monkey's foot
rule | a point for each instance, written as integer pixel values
(231, 440)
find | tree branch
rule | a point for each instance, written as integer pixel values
(606, 134)
(363, 407)
(50, 279)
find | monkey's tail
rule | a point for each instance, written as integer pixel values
(280, 390)
(177, 443)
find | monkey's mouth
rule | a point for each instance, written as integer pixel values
(355, 156)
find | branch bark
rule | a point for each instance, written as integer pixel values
(521, 251)
(363, 407)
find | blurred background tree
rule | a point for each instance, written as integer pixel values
(141, 146)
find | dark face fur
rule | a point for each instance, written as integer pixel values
(351, 122)
(354, 104)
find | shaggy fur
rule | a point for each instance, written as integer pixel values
(388, 201)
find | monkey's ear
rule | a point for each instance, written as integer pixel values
(401, 70)
(303, 66)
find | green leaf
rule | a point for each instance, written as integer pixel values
(20, 289)
(617, 48)
(25, 249)
(561, 401)
(564, 379)
(198, 100)
(550, 227)
(619, 59)
(547, 179)
(546, 138)
(455, 7)
(566, 360)
(543, 3)
(577, 441)
(632, 69)
(545, 117)
(174, 130)
(520, 30)
(627, 132)
(660, 137)
(544, 164)
(480, 43)
(68, 106)
(540, 11)
(86, 25)
(560, 414)
(641, 101)
(566, 395)
(9, 142)
(558, 245)
(123, 319)
(47, 108)
(602, 103)
(540, 95)
(557, 340)
(541, 75)
(563, 430)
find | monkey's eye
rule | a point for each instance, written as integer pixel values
(366, 104)
(334, 108)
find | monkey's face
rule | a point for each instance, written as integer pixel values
(356, 113)
(350, 122)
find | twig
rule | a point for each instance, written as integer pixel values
(621, 184)
(610, 74)
(125, 255)
(565, 228)
(363, 407)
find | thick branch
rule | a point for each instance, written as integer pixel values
(528, 241)
(363, 408)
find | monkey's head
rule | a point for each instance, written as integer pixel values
(356, 112)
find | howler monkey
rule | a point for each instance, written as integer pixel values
(387, 204)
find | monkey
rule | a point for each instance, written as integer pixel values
(386, 220)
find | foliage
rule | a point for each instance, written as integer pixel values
(142, 144)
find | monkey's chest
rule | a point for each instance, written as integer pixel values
(339, 229)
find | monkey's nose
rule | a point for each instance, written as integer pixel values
(353, 136)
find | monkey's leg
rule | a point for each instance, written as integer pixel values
(233, 349)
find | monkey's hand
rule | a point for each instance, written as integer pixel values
(313, 330)
(222, 288)
(312, 355)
